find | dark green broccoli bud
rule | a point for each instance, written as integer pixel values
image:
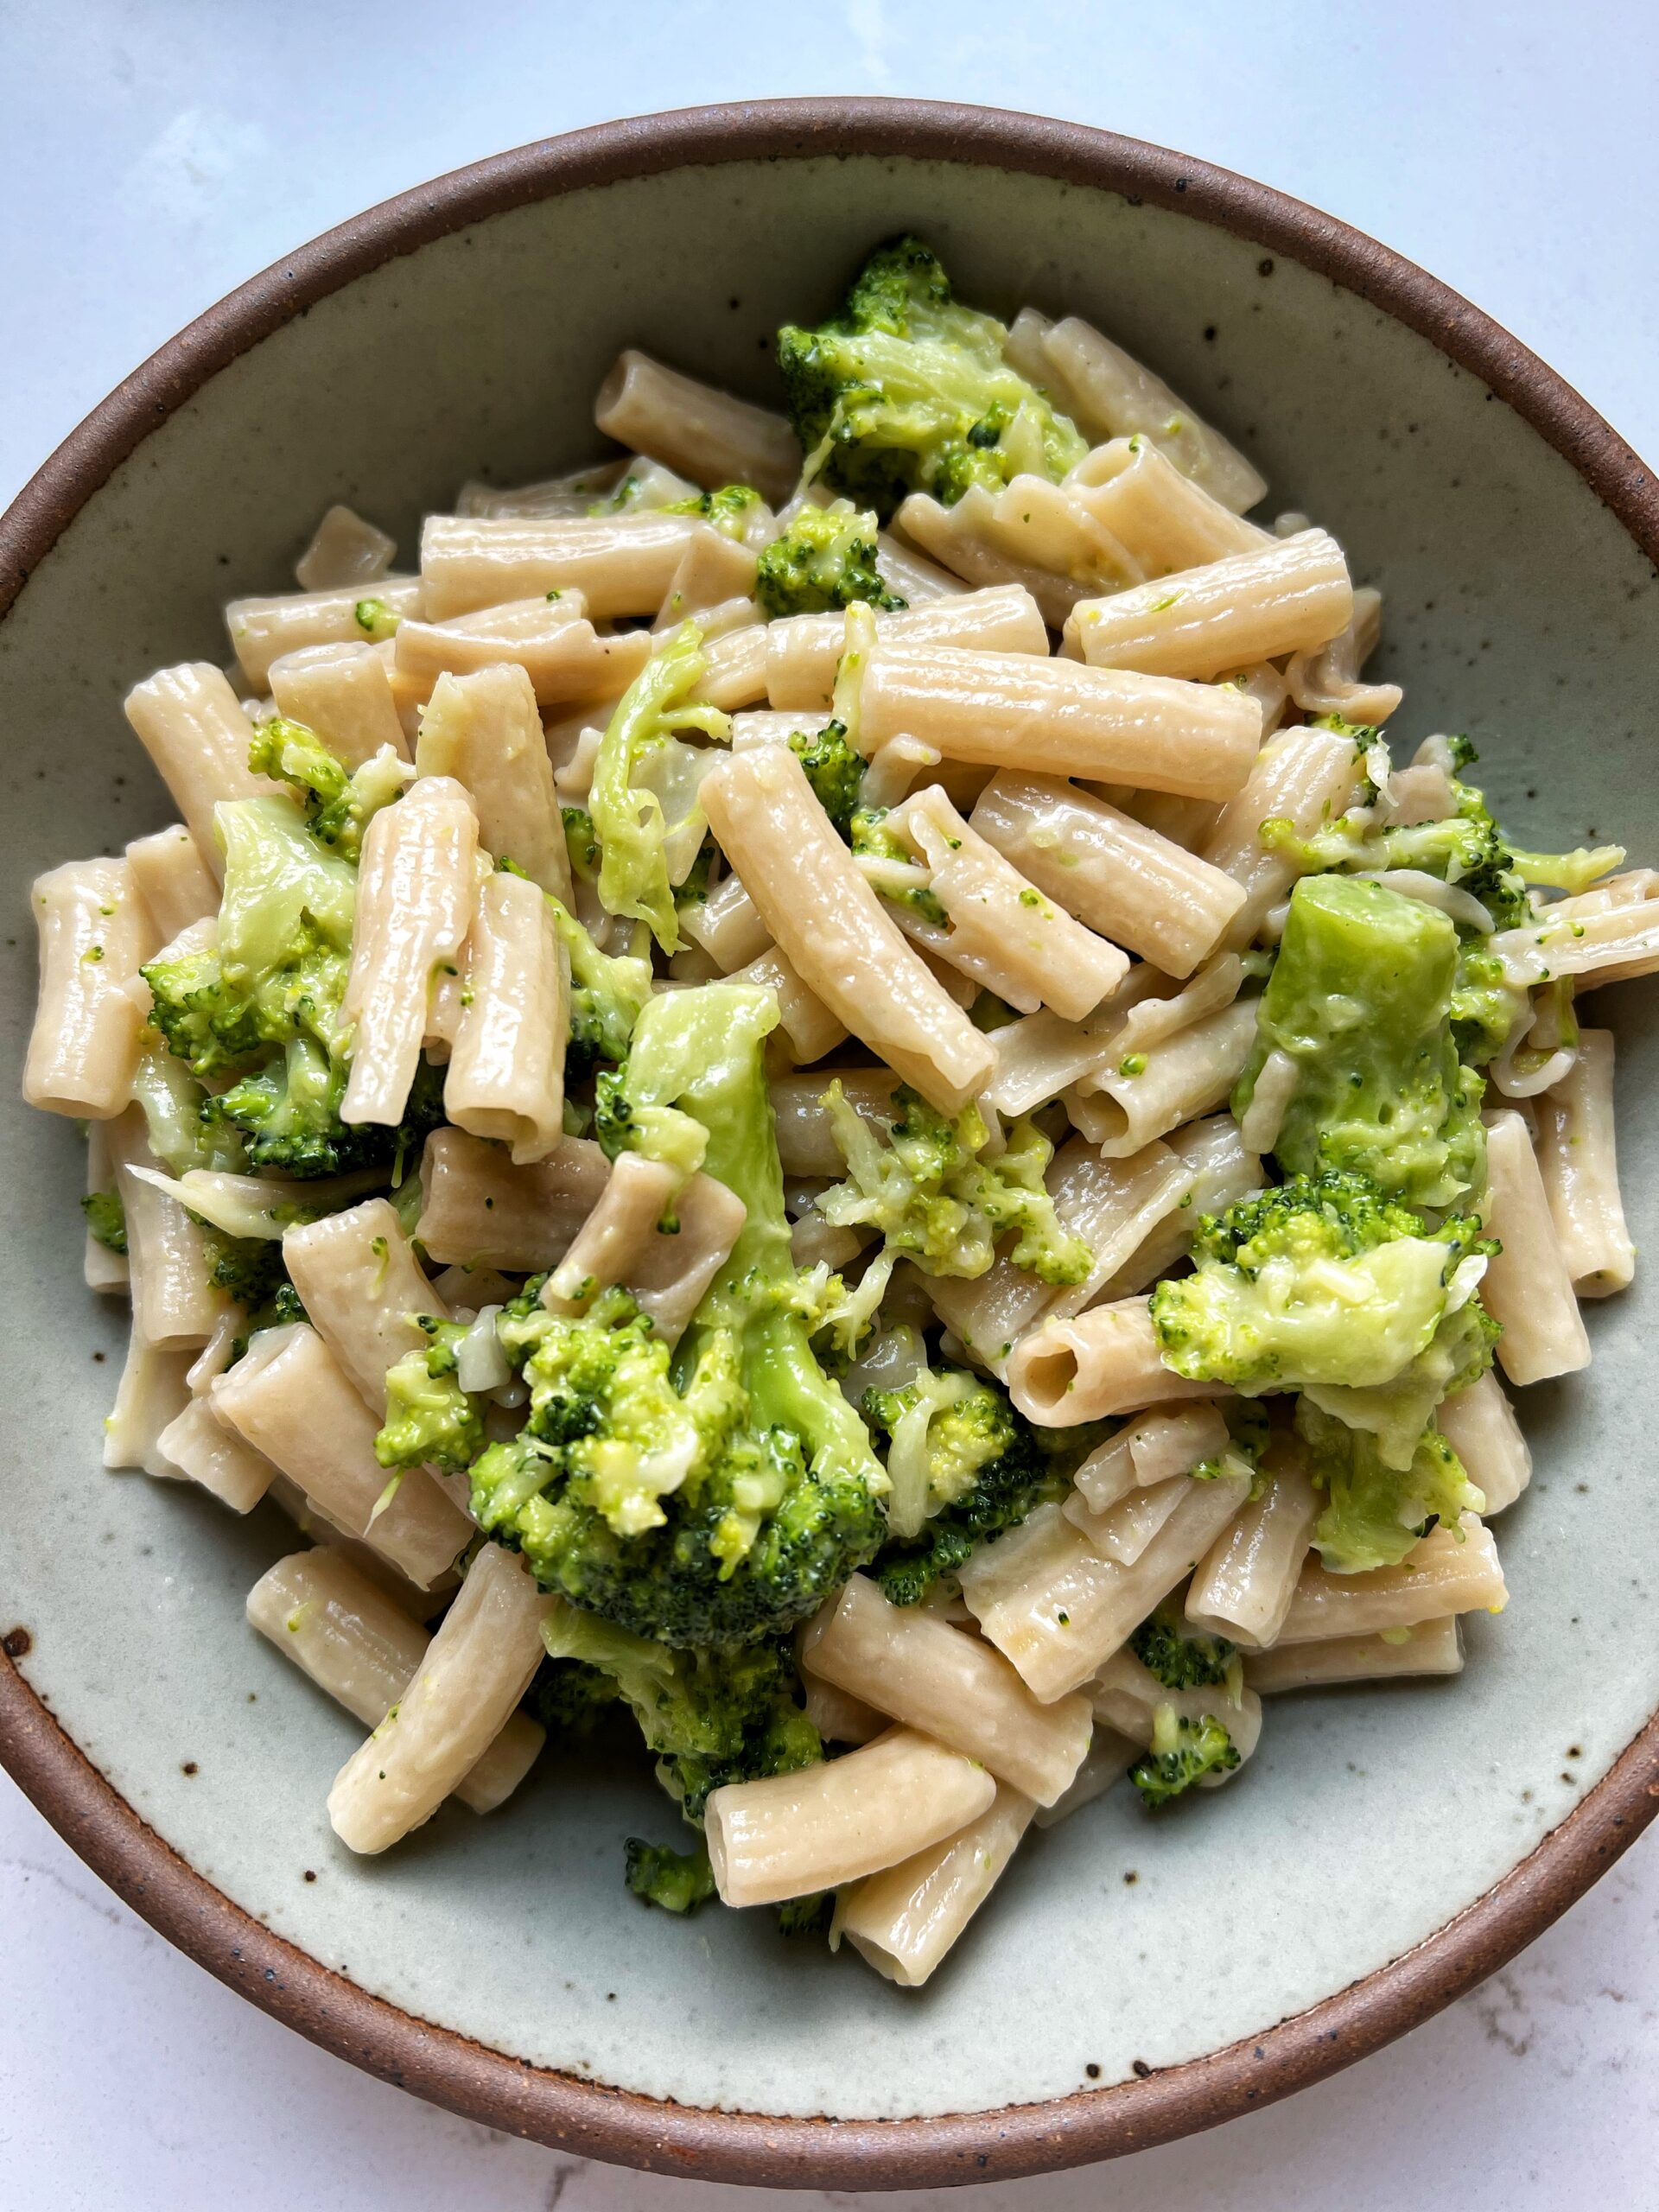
(106, 1219)
(571, 1699)
(825, 560)
(836, 771)
(288, 1114)
(250, 1268)
(1008, 1474)
(907, 392)
(1182, 1658)
(810, 1916)
(338, 804)
(693, 889)
(679, 1881)
(607, 993)
(1183, 1752)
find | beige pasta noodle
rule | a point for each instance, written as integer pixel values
(838, 1717)
(727, 926)
(631, 481)
(1095, 1364)
(223, 1463)
(1157, 1445)
(910, 575)
(1243, 1585)
(948, 1686)
(736, 671)
(621, 565)
(1326, 680)
(1479, 1422)
(345, 549)
(416, 892)
(484, 731)
(1109, 1759)
(804, 650)
(1527, 1287)
(94, 932)
(1122, 879)
(1291, 596)
(1125, 1530)
(1059, 718)
(1430, 1647)
(175, 1303)
(263, 630)
(462, 1694)
(345, 694)
(168, 874)
(290, 1399)
(708, 435)
(192, 725)
(362, 1287)
(1451, 1571)
(361, 1648)
(562, 655)
(506, 1077)
(1579, 1161)
(831, 926)
(1306, 777)
(793, 1834)
(477, 1209)
(153, 1391)
(1030, 532)
(810, 1028)
(1164, 520)
(1152, 1090)
(806, 1141)
(904, 1920)
(1221, 1172)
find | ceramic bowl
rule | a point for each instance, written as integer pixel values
(1136, 1978)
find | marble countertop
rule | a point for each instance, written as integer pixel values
(159, 153)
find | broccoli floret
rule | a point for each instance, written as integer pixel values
(1183, 1751)
(582, 843)
(1359, 1003)
(809, 1916)
(628, 820)
(711, 1716)
(288, 1115)
(376, 620)
(934, 1200)
(338, 804)
(834, 770)
(981, 1440)
(730, 510)
(825, 560)
(871, 838)
(907, 392)
(250, 1268)
(721, 1500)
(570, 1698)
(679, 1881)
(607, 993)
(942, 1429)
(1325, 1286)
(430, 1420)
(1373, 1513)
(1184, 1658)
(106, 1219)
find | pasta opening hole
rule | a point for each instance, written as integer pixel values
(1049, 1375)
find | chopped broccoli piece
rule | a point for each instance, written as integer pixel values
(1376, 1513)
(1359, 1000)
(942, 1429)
(250, 1268)
(730, 510)
(430, 1420)
(1183, 1751)
(809, 1916)
(907, 392)
(582, 843)
(834, 770)
(722, 1501)
(288, 1113)
(871, 836)
(982, 1453)
(679, 1881)
(933, 1198)
(338, 804)
(570, 1698)
(1183, 1658)
(376, 620)
(607, 993)
(825, 560)
(628, 819)
(106, 1219)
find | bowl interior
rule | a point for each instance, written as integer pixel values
(1515, 608)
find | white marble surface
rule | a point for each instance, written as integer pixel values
(158, 152)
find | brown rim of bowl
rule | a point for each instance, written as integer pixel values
(486, 2085)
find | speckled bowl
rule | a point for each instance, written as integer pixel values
(1134, 1978)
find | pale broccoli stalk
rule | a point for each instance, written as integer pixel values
(339, 803)
(823, 562)
(1183, 1752)
(180, 1134)
(1359, 1005)
(628, 820)
(907, 392)
(1373, 1513)
(430, 1420)
(925, 1187)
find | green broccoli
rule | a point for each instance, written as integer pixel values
(183, 1130)
(1325, 1286)
(582, 843)
(871, 837)
(1184, 1658)
(721, 1499)
(934, 1200)
(1359, 1003)
(808, 1915)
(907, 392)
(628, 819)
(288, 1115)
(571, 1699)
(376, 620)
(607, 993)
(678, 1881)
(106, 1219)
(430, 1420)
(825, 560)
(731, 510)
(942, 1429)
(1183, 1751)
(338, 804)
(834, 770)
(252, 1271)
(1376, 1513)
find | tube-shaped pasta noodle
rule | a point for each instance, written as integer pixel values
(344, 693)
(1095, 1364)
(1028, 532)
(1222, 1174)
(1157, 1445)
(175, 1303)
(1451, 1571)
(506, 1077)
(1058, 1611)
(1306, 777)
(362, 1288)
(345, 549)
(1127, 1696)
(483, 729)
(1163, 520)
(910, 575)
(715, 572)
(1326, 681)
(192, 725)
(1132, 886)
(290, 1399)
(670, 1276)
(736, 673)
(831, 926)
(636, 1198)
(947, 1685)
(810, 1028)
(477, 1209)
(1479, 1424)
(621, 565)
(462, 1695)
(727, 926)
(1245, 1583)
(804, 650)
(791, 1834)
(1059, 718)
(416, 892)
(1432, 1647)
(263, 630)
(1152, 1091)
(361, 1648)
(1290, 595)
(153, 1391)
(1124, 1531)
(200, 1446)
(999, 928)
(838, 1717)
(708, 435)
(170, 877)
(94, 932)
(1109, 1759)
(1527, 1286)
(903, 1920)
(559, 652)
(1039, 1057)
(1579, 1161)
